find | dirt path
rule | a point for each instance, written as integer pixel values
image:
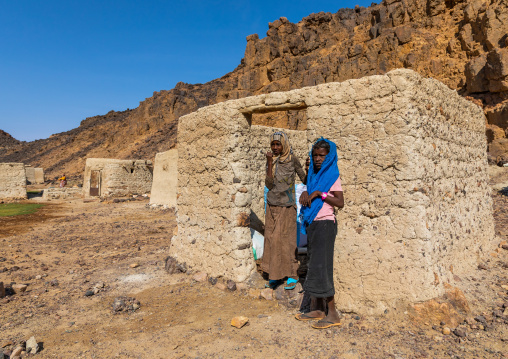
(68, 249)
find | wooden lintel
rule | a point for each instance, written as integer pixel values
(271, 108)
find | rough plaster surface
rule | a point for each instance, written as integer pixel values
(12, 180)
(414, 172)
(34, 175)
(165, 179)
(119, 177)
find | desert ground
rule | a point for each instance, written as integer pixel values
(76, 257)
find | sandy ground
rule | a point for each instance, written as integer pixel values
(71, 247)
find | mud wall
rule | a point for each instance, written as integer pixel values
(165, 179)
(12, 180)
(34, 175)
(119, 177)
(413, 166)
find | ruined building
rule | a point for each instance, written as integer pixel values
(110, 177)
(414, 172)
(12, 180)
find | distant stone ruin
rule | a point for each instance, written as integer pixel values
(414, 170)
(107, 177)
(57, 193)
(34, 175)
(165, 175)
(12, 181)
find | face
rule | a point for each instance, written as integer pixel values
(318, 156)
(276, 147)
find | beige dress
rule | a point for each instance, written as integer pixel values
(279, 254)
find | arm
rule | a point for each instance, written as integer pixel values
(299, 170)
(336, 201)
(269, 170)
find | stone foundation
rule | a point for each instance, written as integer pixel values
(414, 172)
(62, 193)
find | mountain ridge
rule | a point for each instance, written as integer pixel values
(457, 42)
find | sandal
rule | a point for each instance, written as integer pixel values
(305, 317)
(323, 324)
(291, 284)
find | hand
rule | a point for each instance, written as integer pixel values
(315, 195)
(304, 198)
(269, 155)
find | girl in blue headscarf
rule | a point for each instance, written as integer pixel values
(324, 186)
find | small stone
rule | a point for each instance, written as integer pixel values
(267, 294)
(38, 277)
(239, 322)
(231, 285)
(470, 320)
(358, 317)
(19, 288)
(221, 286)
(437, 338)
(6, 344)
(482, 266)
(254, 293)
(481, 327)
(32, 346)
(134, 265)
(89, 293)
(504, 286)
(125, 304)
(241, 286)
(54, 283)
(481, 319)
(505, 246)
(446, 331)
(212, 280)
(16, 352)
(460, 332)
(200, 277)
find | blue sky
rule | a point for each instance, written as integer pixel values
(64, 61)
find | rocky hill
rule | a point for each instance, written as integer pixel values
(464, 44)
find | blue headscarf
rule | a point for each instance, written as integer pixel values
(320, 181)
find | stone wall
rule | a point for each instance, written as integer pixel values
(119, 177)
(165, 179)
(413, 165)
(34, 175)
(12, 180)
(57, 193)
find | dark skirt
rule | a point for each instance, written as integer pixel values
(321, 242)
(279, 253)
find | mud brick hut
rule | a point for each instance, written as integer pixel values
(34, 175)
(165, 175)
(413, 167)
(116, 178)
(12, 181)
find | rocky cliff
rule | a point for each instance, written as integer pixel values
(464, 44)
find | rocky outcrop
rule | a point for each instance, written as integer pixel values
(460, 43)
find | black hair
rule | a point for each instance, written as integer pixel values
(322, 144)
